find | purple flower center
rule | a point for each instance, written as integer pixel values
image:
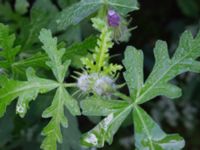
(113, 18)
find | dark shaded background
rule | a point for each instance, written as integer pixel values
(156, 19)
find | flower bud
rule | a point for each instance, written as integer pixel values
(113, 18)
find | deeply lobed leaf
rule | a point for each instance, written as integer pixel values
(133, 63)
(56, 111)
(55, 55)
(149, 136)
(25, 90)
(115, 111)
(165, 69)
(97, 106)
(62, 99)
(8, 50)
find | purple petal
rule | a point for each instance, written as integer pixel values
(113, 18)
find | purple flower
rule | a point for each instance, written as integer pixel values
(113, 18)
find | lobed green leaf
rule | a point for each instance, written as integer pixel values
(149, 136)
(97, 106)
(133, 63)
(25, 90)
(164, 70)
(8, 50)
(55, 55)
(56, 111)
(106, 129)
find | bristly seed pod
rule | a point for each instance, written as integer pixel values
(113, 18)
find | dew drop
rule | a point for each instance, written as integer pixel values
(20, 109)
(92, 139)
(107, 121)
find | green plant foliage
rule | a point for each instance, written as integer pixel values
(70, 135)
(100, 59)
(54, 60)
(56, 111)
(41, 13)
(115, 112)
(165, 69)
(133, 63)
(21, 6)
(55, 55)
(96, 106)
(77, 12)
(9, 51)
(29, 90)
(123, 7)
(148, 135)
(6, 127)
(74, 52)
(66, 3)
(25, 90)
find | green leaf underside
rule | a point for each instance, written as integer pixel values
(77, 12)
(96, 106)
(149, 136)
(165, 69)
(25, 90)
(56, 111)
(106, 129)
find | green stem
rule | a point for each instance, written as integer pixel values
(66, 85)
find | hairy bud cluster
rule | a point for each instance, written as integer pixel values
(101, 85)
(83, 82)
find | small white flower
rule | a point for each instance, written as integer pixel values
(83, 82)
(104, 86)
